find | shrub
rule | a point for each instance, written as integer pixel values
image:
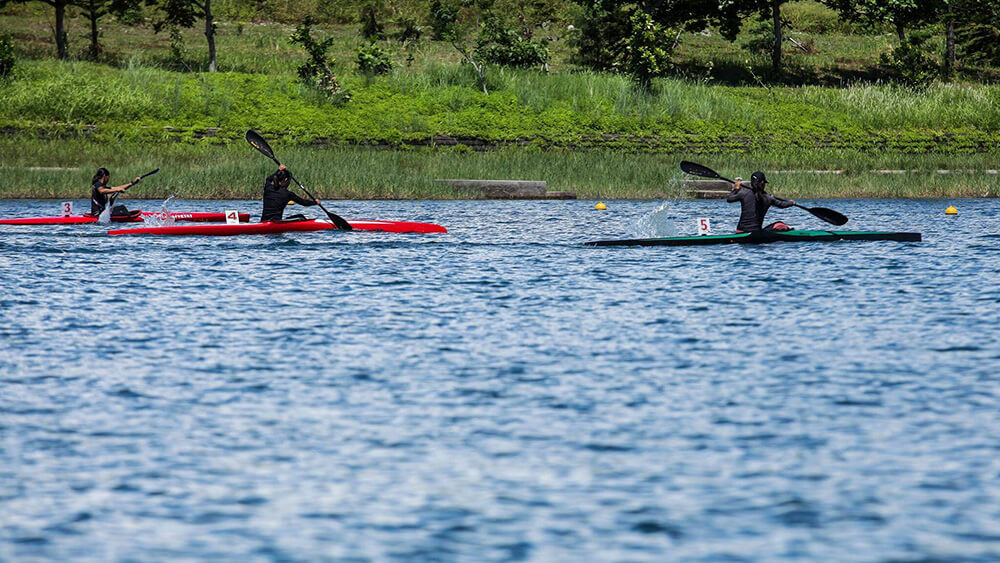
(317, 72)
(6, 56)
(645, 54)
(500, 45)
(373, 60)
(910, 63)
(371, 28)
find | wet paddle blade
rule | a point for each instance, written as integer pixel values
(339, 221)
(828, 215)
(258, 142)
(698, 170)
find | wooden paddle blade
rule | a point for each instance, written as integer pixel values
(258, 142)
(698, 170)
(828, 215)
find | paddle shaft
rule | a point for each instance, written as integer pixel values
(827, 215)
(114, 197)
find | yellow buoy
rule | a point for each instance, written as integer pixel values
(951, 210)
(600, 205)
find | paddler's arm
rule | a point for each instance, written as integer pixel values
(301, 200)
(734, 195)
(118, 189)
(782, 203)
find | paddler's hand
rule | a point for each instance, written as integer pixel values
(316, 199)
(282, 167)
(737, 184)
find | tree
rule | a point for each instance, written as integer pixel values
(634, 36)
(732, 12)
(900, 14)
(95, 10)
(978, 34)
(185, 13)
(458, 22)
(62, 48)
(317, 72)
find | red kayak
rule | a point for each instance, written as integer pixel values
(282, 227)
(133, 218)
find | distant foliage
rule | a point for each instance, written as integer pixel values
(442, 17)
(760, 36)
(502, 45)
(599, 35)
(178, 51)
(318, 72)
(7, 60)
(979, 34)
(910, 63)
(371, 24)
(374, 60)
(647, 52)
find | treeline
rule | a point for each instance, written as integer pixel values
(637, 38)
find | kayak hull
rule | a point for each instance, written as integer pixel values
(278, 227)
(763, 237)
(137, 218)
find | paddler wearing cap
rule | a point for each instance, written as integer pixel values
(754, 203)
(277, 196)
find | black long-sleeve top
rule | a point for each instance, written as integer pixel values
(752, 210)
(276, 198)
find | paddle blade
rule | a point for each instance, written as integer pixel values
(828, 215)
(698, 170)
(339, 221)
(149, 173)
(258, 142)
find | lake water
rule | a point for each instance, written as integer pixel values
(501, 392)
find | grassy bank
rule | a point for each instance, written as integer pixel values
(62, 169)
(579, 110)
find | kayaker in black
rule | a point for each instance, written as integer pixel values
(277, 196)
(99, 191)
(754, 203)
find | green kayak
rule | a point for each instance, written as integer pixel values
(761, 237)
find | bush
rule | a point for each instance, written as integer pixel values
(373, 60)
(317, 72)
(500, 45)
(442, 18)
(910, 63)
(645, 54)
(371, 28)
(6, 56)
(599, 36)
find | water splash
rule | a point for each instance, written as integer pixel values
(162, 218)
(656, 224)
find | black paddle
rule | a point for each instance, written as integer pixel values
(114, 197)
(258, 142)
(828, 215)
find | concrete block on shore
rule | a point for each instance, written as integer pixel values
(707, 189)
(509, 189)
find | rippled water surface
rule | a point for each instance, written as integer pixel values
(502, 392)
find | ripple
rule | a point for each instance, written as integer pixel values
(501, 392)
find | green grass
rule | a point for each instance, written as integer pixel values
(237, 171)
(592, 133)
(579, 110)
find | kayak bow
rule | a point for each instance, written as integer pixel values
(762, 237)
(281, 227)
